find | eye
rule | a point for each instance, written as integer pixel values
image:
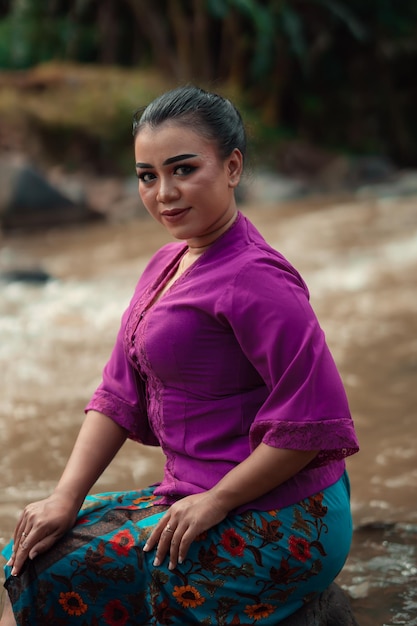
(184, 170)
(146, 177)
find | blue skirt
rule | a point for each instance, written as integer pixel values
(252, 568)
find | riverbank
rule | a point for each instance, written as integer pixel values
(359, 258)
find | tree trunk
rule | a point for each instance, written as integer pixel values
(108, 28)
(150, 20)
(232, 59)
(203, 56)
(181, 27)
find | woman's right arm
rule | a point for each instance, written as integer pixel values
(42, 523)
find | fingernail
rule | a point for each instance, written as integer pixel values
(171, 565)
(9, 562)
(156, 562)
(146, 548)
(33, 556)
(180, 560)
(14, 572)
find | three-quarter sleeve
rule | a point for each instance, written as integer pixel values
(307, 407)
(121, 393)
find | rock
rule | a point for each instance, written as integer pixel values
(267, 187)
(323, 171)
(28, 199)
(371, 170)
(29, 275)
(402, 185)
(331, 608)
(115, 198)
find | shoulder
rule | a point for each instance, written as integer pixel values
(261, 265)
(254, 281)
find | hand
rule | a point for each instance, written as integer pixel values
(40, 525)
(182, 523)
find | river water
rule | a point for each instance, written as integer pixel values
(359, 258)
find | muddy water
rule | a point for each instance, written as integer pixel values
(359, 259)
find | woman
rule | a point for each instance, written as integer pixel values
(221, 361)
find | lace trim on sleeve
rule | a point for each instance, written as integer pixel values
(123, 414)
(335, 439)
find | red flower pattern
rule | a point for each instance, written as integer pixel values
(300, 548)
(296, 566)
(233, 543)
(122, 542)
(115, 613)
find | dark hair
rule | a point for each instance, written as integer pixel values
(215, 117)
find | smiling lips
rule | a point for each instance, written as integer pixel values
(174, 213)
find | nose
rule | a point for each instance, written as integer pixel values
(167, 191)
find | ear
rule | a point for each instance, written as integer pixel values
(234, 164)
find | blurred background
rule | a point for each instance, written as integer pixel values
(328, 91)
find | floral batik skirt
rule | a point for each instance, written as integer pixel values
(253, 568)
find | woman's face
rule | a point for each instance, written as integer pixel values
(183, 182)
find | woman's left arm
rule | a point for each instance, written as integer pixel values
(265, 469)
(306, 411)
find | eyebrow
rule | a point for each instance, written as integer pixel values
(174, 159)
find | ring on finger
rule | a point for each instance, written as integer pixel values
(24, 535)
(168, 529)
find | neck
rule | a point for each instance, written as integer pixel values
(196, 248)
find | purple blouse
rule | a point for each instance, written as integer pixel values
(230, 356)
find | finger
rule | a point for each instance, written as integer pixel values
(30, 547)
(164, 544)
(20, 557)
(21, 542)
(21, 524)
(11, 560)
(174, 555)
(154, 538)
(24, 541)
(155, 535)
(174, 541)
(44, 544)
(23, 527)
(184, 545)
(24, 548)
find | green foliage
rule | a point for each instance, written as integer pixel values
(81, 115)
(259, 19)
(34, 32)
(334, 71)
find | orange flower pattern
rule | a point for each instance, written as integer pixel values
(259, 611)
(239, 574)
(188, 596)
(72, 603)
